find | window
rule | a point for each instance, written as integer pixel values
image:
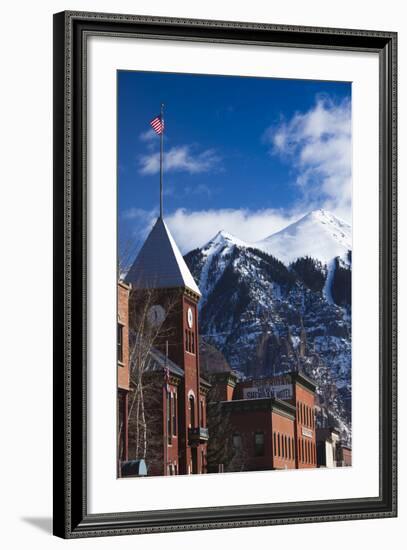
(190, 341)
(293, 449)
(191, 401)
(174, 414)
(289, 448)
(275, 444)
(202, 413)
(259, 444)
(279, 449)
(169, 431)
(120, 343)
(237, 441)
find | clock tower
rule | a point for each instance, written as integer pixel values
(160, 272)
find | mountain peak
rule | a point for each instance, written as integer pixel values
(222, 238)
(319, 234)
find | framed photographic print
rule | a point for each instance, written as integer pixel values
(224, 274)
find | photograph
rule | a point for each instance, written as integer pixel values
(234, 274)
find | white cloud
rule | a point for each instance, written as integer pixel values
(318, 143)
(192, 229)
(180, 159)
(148, 135)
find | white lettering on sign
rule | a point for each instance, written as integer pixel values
(281, 392)
(307, 432)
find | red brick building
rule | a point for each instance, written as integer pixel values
(272, 420)
(163, 285)
(123, 371)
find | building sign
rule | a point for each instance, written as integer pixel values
(306, 432)
(257, 392)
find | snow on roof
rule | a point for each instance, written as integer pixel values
(160, 264)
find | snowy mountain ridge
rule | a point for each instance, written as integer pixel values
(319, 235)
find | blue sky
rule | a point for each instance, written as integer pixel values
(247, 155)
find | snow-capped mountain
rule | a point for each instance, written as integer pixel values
(270, 314)
(319, 235)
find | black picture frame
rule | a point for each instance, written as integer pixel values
(71, 519)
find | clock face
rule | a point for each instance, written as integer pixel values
(190, 318)
(156, 315)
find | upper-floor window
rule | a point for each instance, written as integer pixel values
(191, 402)
(120, 343)
(174, 414)
(169, 419)
(190, 341)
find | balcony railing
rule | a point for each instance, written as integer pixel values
(197, 435)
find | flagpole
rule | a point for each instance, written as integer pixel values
(161, 160)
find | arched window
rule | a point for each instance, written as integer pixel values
(192, 411)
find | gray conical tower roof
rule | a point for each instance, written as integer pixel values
(160, 264)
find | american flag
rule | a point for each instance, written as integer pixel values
(158, 124)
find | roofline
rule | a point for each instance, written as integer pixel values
(304, 380)
(121, 283)
(273, 403)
